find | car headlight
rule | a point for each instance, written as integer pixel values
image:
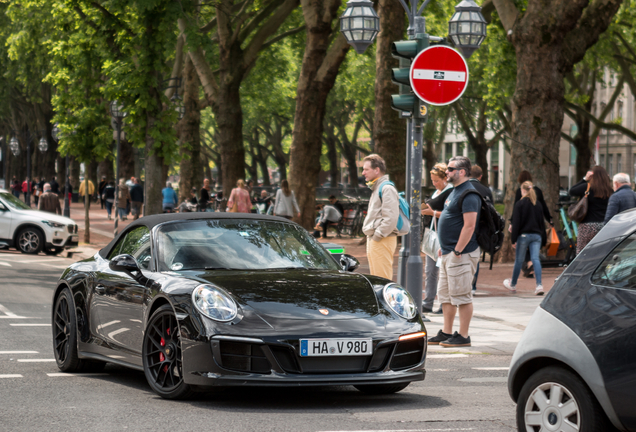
(53, 224)
(399, 300)
(214, 303)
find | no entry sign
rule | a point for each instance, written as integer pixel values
(439, 75)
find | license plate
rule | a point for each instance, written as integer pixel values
(335, 347)
(75, 238)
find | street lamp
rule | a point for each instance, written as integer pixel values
(467, 28)
(43, 145)
(359, 24)
(14, 145)
(177, 102)
(118, 114)
(55, 133)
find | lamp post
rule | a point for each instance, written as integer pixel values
(5, 177)
(14, 144)
(118, 114)
(55, 133)
(467, 30)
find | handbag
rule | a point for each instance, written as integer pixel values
(553, 242)
(578, 211)
(430, 242)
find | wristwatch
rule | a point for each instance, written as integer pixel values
(456, 252)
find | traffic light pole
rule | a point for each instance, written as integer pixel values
(414, 265)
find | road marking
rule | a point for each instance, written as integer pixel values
(5, 264)
(406, 430)
(11, 376)
(7, 312)
(19, 352)
(439, 356)
(62, 374)
(492, 368)
(35, 360)
(485, 380)
(30, 325)
(36, 261)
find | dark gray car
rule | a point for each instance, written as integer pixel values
(575, 366)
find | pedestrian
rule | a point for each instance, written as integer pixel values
(86, 189)
(16, 188)
(36, 191)
(249, 187)
(328, 215)
(108, 196)
(170, 198)
(433, 209)
(527, 235)
(335, 203)
(523, 177)
(623, 197)
(191, 204)
(100, 191)
(123, 195)
(68, 189)
(380, 224)
(598, 184)
(204, 196)
(286, 205)
(239, 201)
(264, 202)
(55, 186)
(136, 199)
(459, 253)
(49, 202)
(26, 190)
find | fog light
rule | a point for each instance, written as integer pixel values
(412, 336)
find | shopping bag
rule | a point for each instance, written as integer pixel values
(553, 242)
(430, 242)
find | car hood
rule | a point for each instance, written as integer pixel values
(42, 215)
(300, 294)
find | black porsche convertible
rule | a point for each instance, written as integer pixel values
(199, 300)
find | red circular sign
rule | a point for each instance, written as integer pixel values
(439, 75)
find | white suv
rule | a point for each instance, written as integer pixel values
(31, 231)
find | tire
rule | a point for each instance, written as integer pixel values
(575, 407)
(30, 240)
(65, 333)
(162, 356)
(381, 389)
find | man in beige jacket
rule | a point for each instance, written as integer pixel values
(380, 225)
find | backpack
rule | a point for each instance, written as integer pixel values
(490, 226)
(404, 219)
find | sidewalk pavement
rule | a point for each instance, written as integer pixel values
(499, 316)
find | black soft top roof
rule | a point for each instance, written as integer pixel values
(151, 221)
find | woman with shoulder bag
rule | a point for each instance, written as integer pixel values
(433, 208)
(598, 187)
(239, 201)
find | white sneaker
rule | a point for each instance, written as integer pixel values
(539, 290)
(507, 284)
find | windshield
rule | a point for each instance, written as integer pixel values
(239, 244)
(13, 202)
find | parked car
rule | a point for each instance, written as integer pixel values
(32, 231)
(575, 366)
(198, 300)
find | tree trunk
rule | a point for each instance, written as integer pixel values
(317, 77)
(87, 201)
(332, 155)
(127, 160)
(389, 131)
(537, 118)
(481, 158)
(229, 118)
(155, 179)
(191, 168)
(105, 168)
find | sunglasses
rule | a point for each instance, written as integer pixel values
(451, 169)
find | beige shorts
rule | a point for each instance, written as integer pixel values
(456, 275)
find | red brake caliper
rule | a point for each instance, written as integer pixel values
(161, 356)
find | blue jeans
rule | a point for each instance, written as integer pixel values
(533, 243)
(109, 208)
(121, 212)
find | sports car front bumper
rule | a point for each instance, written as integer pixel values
(232, 361)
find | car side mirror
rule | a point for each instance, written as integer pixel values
(124, 263)
(349, 263)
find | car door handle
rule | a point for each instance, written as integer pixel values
(100, 289)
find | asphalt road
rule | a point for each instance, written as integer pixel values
(465, 390)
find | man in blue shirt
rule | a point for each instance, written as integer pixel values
(459, 255)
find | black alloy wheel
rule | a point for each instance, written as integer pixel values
(381, 389)
(162, 355)
(65, 333)
(30, 240)
(555, 399)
